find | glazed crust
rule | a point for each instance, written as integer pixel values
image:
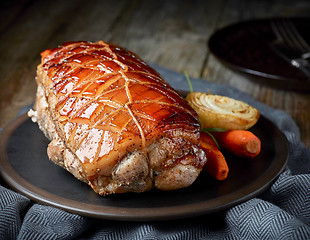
(102, 106)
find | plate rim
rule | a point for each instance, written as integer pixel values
(278, 81)
(21, 185)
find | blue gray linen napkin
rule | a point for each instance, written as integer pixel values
(281, 212)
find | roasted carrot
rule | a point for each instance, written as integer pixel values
(216, 165)
(241, 143)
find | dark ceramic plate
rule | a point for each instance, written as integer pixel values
(25, 167)
(245, 47)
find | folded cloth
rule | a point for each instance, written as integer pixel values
(281, 212)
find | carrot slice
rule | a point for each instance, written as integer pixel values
(241, 143)
(216, 165)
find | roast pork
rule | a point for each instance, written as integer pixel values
(113, 121)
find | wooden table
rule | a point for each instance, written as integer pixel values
(173, 34)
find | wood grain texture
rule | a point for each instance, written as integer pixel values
(172, 34)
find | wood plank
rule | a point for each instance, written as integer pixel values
(171, 33)
(10, 10)
(39, 28)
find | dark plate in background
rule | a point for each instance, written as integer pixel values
(244, 47)
(25, 167)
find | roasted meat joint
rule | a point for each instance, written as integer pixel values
(113, 121)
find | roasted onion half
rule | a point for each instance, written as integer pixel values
(217, 111)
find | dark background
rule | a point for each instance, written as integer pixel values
(172, 34)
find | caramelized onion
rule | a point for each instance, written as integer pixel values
(222, 112)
